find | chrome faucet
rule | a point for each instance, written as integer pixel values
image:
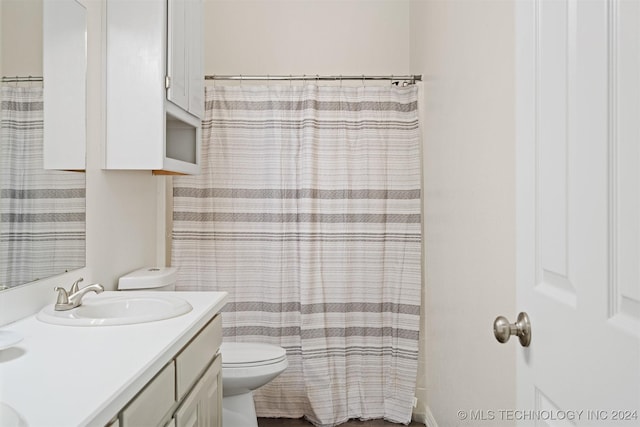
(73, 298)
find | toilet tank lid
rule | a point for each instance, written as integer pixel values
(148, 278)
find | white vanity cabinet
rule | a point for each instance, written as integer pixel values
(154, 85)
(187, 391)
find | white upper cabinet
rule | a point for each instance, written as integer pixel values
(154, 85)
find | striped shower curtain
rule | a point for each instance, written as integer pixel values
(307, 212)
(42, 226)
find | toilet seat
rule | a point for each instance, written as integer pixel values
(246, 355)
(247, 367)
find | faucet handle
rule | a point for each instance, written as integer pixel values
(63, 296)
(75, 287)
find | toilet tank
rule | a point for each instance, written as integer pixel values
(149, 279)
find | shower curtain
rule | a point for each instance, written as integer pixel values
(307, 212)
(42, 227)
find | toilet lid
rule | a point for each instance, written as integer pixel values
(242, 354)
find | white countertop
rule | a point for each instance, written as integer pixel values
(64, 376)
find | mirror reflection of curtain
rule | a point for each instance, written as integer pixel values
(307, 211)
(42, 227)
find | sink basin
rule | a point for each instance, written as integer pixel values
(9, 417)
(117, 310)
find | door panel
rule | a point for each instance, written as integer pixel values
(625, 164)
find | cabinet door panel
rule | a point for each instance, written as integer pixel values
(196, 54)
(193, 360)
(212, 393)
(189, 414)
(202, 408)
(154, 401)
(177, 53)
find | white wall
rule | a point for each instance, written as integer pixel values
(465, 49)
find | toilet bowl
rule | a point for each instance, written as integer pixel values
(245, 366)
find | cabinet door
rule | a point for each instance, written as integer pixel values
(196, 53)
(154, 402)
(203, 406)
(194, 359)
(212, 391)
(177, 53)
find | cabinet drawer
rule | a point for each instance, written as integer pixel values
(153, 403)
(195, 357)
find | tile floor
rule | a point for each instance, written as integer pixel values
(287, 422)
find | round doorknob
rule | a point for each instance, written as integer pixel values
(503, 330)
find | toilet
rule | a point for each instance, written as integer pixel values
(245, 366)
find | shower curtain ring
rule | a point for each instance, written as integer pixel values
(363, 80)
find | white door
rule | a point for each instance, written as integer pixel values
(578, 211)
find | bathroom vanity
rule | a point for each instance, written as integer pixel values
(161, 373)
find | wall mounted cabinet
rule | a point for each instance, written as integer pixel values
(154, 85)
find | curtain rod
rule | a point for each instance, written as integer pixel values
(413, 77)
(11, 79)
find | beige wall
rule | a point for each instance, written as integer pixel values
(306, 37)
(465, 49)
(21, 24)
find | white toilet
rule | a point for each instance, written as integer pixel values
(245, 366)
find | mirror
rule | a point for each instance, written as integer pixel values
(42, 223)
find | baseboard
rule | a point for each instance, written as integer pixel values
(427, 418)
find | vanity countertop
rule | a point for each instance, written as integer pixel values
(62, 376)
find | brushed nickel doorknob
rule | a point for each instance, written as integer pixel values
(503, 330)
